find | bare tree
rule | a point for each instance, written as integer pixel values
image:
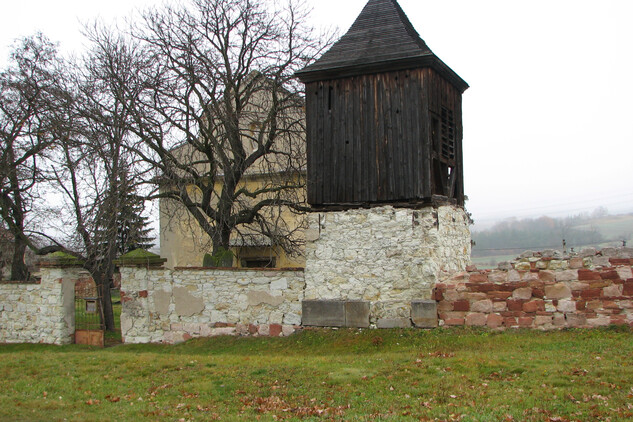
(28, 95)
(93, 168)
(219, 106)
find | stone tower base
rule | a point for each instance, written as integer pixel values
(378, 266)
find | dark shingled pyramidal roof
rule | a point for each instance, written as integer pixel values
(381, 39)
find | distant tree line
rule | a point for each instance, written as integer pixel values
(514, 236)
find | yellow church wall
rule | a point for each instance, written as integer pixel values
(184, 244)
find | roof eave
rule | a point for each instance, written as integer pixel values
(307, 75)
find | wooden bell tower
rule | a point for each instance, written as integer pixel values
(384, 118)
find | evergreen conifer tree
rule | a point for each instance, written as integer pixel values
(133, 231)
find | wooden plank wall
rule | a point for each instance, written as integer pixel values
(443, 94)
(369, 136)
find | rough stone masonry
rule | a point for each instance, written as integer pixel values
(42, 312)
(170, 306)
(543, 290)
(385, 256)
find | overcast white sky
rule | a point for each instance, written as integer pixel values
(548, 120)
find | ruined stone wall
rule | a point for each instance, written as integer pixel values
(39, 313)
(542, 290)
(386, 256)
(169, 306)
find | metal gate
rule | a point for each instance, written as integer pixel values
(89, 327)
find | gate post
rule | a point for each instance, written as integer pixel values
(59, 273)
(135, 268)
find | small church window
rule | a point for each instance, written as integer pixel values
(259, 262)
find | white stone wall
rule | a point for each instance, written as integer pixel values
(39, 313)
(387, 256)
(169, 306)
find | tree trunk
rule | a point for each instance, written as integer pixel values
(221, 246)
(19, 270)
(103, 286)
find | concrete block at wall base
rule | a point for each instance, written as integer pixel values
(424, 313)
(357, 314)
(323, 313)
(335, 313)
(393, 323)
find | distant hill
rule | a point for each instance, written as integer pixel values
(509, 238)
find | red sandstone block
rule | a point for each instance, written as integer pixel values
(619, 261)
(483, 287)
(452, 315)
(628, 288)
(599, 284)
(142, 293)
(438, 295)
(626, 303)
(186, 336)
(610, 275)
(537, 284)
(576, 263)
(541, 320)
(454, 321)
(499, 295)
(534, 306)
(474, 297)
(618, 320)
(576, 321)
(461, 305)
(476, 319)
(471, 268)
(581, 305)
(538, 293)
(510, 322)
(609, 311)
(588, 275)
(478, 278)
(509, 314)
(594, 304)
(495, 321)
(515, 305)
(275, 330)
(444, 306)
(526, 321)
(252, 329)
(559, 320)
(590, 293)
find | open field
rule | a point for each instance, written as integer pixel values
(613, 228)
(445, 375)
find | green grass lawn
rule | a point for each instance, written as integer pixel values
(445, 375)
